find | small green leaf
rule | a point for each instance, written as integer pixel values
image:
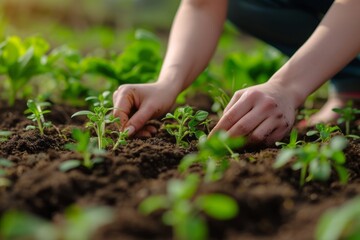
(84, 112)
(152, 204)
(218, 206)
(68, 165)
(284, 157)
(201, 115)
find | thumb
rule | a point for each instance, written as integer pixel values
(138, 120)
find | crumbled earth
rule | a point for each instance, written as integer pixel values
(271, 202)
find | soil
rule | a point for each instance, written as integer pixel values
(271, 202)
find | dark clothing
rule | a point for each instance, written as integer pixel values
(286, 25)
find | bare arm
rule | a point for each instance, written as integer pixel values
(265, 113)
(193, 39)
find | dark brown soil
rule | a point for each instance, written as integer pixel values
(271, 203)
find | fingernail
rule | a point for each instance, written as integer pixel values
(130, 130)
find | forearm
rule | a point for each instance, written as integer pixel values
(193, 39)
(334, 43)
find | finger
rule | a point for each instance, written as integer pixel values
(233, 100)
(143, 133)
(248, 122)
(151, 129)
(123, 104)
(236, 112)
(276, 135)
(263, 131)
(138, 120)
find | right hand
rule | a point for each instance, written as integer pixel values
(135, 104)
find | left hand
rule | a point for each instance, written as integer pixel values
(264, 113)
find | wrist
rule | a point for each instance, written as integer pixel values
(172, 79)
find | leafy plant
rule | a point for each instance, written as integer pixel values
(315, 160)
(340, 223)
(99, 117)
(77, 224)
(121, 138)
(293, 142)
(213, 154)
(84, 147)
(323, 131)
(183, 208)
(4, 163)
(220, 98)
(347, 115)
(4, 136)
(20, 61)
(186, 124)
(35, 109)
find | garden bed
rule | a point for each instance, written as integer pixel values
(271, 203)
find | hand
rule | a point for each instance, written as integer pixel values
(264, 113)
(135, 104)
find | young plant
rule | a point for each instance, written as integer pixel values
(213, 154)
(121, 138)
(99, 117)
(340, 223)
(347, 115)
(315, 161)
(35, 109)
(85, 147)
(4, 163)
(323, 131)
(183, 208)
(20, 61)
(293, 142)
(220, 98)
(4, 136)
(77, 223)
(186, 124)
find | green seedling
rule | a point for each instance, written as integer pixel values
(213, 154)
(4, 136)
(20, 61)
(186, 124)
(35, 109)
(121, 138)
(99, 117)
(4, 163)
(183, 208)
(220, 98)
(347, 115)
(323, 132)
(77, 224)
(86, 148)
(340, 223)
(315, 161)
(293, 142)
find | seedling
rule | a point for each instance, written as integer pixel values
(347, 115)
(77, 223)
(340, 223)
(20, 61)
(99, 117)
(220, 98)
(323, 131)
(315, 160)
(183, 208)
(186, 124)
(83, 146)
(293, 143)
(213, 154)
(35, 109)
(121, 138)
(4, 163)
(4, 136)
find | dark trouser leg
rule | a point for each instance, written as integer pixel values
(286, 24)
